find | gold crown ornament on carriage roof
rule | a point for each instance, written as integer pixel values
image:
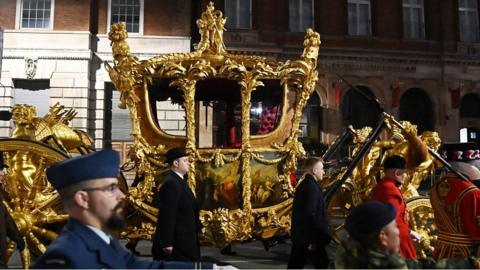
(242, 115)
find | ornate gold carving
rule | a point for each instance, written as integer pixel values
(420, 218)
(183, 71)
(211, 27)
(226, 226)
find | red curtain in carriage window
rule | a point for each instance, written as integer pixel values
(268, 119)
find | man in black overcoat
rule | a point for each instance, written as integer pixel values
(310, 231)
(178, 225)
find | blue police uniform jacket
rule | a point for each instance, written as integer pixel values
(78, 246)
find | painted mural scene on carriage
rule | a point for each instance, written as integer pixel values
(239, 134)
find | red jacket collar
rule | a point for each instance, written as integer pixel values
(391, 180)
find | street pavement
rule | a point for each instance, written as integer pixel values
(249, 255)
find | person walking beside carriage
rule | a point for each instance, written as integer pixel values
(178, 224)
(388, 190)
(456, 207)
(310, 232)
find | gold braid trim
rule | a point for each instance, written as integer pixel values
(258, 158)
(457, 239)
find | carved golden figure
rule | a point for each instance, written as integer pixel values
(363, 174)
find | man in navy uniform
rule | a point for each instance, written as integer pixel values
(90, 194)
(176, 236)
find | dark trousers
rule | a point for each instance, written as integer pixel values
(3, 259)
(192, 254)
(300, 253)
(176, 255)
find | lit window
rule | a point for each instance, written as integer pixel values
(413, 19)
(468, 20)
(300, 15)
(127, 11)
(36, 14)
(359, 18)
(238, 13)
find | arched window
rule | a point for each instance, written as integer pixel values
(360, 109)
(416, 107)
(470, 106)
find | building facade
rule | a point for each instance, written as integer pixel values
(54, 51)
(420, 59)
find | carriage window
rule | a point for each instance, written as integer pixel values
(219, 114)
(218, 110)
(266, 109)
(166, 108)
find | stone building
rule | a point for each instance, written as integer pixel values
(54, 50)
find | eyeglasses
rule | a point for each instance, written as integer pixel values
(110, 188)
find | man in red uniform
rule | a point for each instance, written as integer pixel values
(388, 190)
(456, 206)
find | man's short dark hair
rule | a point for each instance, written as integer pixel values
(311, 161)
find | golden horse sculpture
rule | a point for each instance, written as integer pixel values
(401, 141)
(242, 179)
(35, 144)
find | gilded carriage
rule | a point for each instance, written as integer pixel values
(242, 116)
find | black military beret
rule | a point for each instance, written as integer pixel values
(369, 217)
(395, 162)
(175, 153)
(101, 164)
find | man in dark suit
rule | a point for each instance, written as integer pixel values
(178, 225)
(90, 194)
(310, 231)
(8, 228)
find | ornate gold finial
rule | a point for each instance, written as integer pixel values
(118, 32)
(211, 27)
(118, 35)
(311, 43)
(23, 113)
(360, 135)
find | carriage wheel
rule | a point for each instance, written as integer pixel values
(32, 202)
(339, 207)
(420, 217)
